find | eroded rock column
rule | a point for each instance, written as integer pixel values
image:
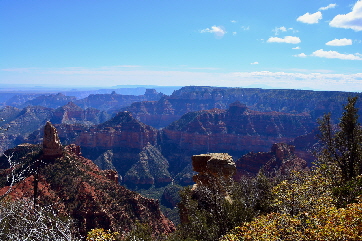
(52, 147)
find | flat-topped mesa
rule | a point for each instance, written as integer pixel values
(215, 171)
(52, 147)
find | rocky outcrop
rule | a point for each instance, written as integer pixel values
(75, 186)
(214, 172)
(150, 169)
(280, 159)
(73, 114)
(121, 131)
(213, 182)
(237, 130)
(52, 148)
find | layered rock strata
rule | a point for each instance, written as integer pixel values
(280, 159)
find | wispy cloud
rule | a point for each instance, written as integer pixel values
(203, 68)
(111, 75)
(280, 29)
(352, 20)
(219, 31)
(339, 42)
(235, 33)
(233, 21)
(301, 55)
(128, 66)
(332, 5)
(255, 63)
(286, 39)
(325, 81)
(310, 18)
(296, 47)
(245, 28)
(335, 55)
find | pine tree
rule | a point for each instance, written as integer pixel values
(341, 156)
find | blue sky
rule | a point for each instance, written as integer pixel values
(302, 44)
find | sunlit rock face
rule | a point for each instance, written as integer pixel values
(236, 131)
(52, 148)
(281, 158)
(214, 171)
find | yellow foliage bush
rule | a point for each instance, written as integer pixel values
(99, 234)
(328, 224)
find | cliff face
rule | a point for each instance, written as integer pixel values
(155, 113)
(196, 98)
(114, 102)
(75, 186)
(281, 157)
(123, 144)
(235, 130)
(50, 101)
(120, 131)
(73, 114)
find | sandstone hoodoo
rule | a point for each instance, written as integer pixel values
(215, 171)
(52, 147)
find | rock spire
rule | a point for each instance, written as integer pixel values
(52, 148)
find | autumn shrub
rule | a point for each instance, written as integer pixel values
(329, 223)
(99, 234)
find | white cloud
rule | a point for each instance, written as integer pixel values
(310, 18)
(255, 63)
(286, 39)
(302, 55)
(245, 28)
(233, 21)
(352, 20)
(340, 42)
(332, 5)
(235, 33)
(219, 31)
(296, 47)
(280, 29)
(335, 55)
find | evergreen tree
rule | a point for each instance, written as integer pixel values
(341, 156)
